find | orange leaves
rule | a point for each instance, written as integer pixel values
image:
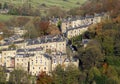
(98, 6)
(98, 28)
(1, 38)
(44, 25)
(53, 30)
(117, 20)
(21, 21)
(105, 67)
(46, 28)
(43, 78)
(1, 25)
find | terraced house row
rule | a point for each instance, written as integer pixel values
(35, 60)
(54, 43)
(74, 26)
(35, 55)
(45, 53)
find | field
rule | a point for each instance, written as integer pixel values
(5, 17)
(67, 4)
(8, 17)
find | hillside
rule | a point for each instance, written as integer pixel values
(67, 4)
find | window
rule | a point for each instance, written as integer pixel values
(33, 67)
(41, 61)
(54, 61)
(45, 63)
(44, 68)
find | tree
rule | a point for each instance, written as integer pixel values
(0, 5)
(117, 49)
(2, 75)
(72, 74)
(5, 30)
(58, 12)
(53, 30)
(108, 46)
(5, 6)
(68, 75)
(1, 37)
(22, 21)
(94, 75)
(36, 21)
(43, 78)
(32, 32)
(98, 6)
(69, 52)
(112, 75)
(76, 11)
(12, 46)
(59, 75)
(43, 26)
(19, 76)
(90, 56)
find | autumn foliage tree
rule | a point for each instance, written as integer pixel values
(98, 6)
(43, 26)
(53, 30)
(43, 78)
(5, 30)
(21, 21)
(56, 12)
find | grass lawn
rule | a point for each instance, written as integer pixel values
(36, 3)
(8, 17)
(5, 17)
(68, 4)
